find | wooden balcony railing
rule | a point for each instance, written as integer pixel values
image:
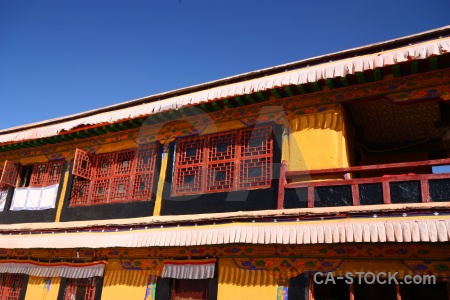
(390, 188)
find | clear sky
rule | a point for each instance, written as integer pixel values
(67, 56)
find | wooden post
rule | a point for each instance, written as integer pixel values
(386, 192)
(281, 184)
(352, 291)
(425, 188)
(310, 196)
(355, 194)
(398, 292)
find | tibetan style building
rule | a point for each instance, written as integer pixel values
(266, 185)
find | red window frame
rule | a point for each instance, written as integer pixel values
(10, 173)
(80, 288)
(11, 286)
(122, 176)
(44, 174)
(225, 161)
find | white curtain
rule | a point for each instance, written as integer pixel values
(189, 269)
(34, 198)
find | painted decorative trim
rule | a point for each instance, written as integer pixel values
(189, 269)
(63, 269)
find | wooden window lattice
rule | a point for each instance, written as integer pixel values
(234, 160)
(10, 174)
(83, 164)
(80, 289)
(10, 286)
(116, 177)
(45, 174)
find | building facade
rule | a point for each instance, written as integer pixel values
(320, 179)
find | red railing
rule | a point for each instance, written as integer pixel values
(354, 183)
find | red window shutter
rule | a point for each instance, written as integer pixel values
(82, 288)
(195, 289)
(10, 286)
(10, 173)
(189, 166)
(54, 172)
(221, 156)
(39, 174)
(83, 164)
(142, 184)
(255, 158)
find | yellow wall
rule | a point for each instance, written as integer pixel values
(123, 284)
(238, 284)
(318, 141)
(37, 288)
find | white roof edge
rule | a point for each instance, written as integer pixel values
(227, 217)
(182, 91)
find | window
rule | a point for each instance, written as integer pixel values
(226, 161)
(115, 177)
(190, 289)
(11, 286)
(80, 289)
(37, 175)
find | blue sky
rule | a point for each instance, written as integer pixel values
(63, 57)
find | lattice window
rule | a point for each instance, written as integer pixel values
(80, 289)
(54, 172)
(45, 174)
(145, 161)
(256, 142)
(100, 191)
(10, 174)
(80, 192)
(104, 165)
(240, 159)
(83, 164)
(220, 177)
(142, 186)
(124, 162)
(10, 286)
(118, 177)
(190, 151)
(39, 174)
(120, 189)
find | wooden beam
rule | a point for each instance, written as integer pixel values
(289, 90)
(344, 81)
(100, 130)
(227, 103)
(81, 134)
(215, 106)
(316, 86)
(330, 83)
(414, 67)
(262, 96)
(108, 128)
(360, 78)
(396, 71)
(250, 99)
(377, 74)
(433, 63)
(239, 100)
(275, 93)
(205, 108)
(302, 89)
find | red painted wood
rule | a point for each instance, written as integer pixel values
(367, 180)
(355, 194)
(370, 168)
(386, 192)
(425, 189)
(310, 196)
(281, 184)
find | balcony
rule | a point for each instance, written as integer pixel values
(398, 184)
